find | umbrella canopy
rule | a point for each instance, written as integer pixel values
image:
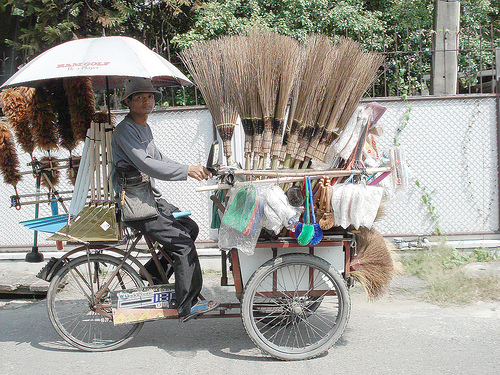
(113, 58)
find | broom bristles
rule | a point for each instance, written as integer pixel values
(206, 63)
(373, 265)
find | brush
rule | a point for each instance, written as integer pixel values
(318, 232)
(291, 55)
(206, 63)
(81, 104)
(235, 56)
(43, 121)
(311, 86)
(9, 162)
(15, 103)
(373, 265)
(60, 105)
(49, 172)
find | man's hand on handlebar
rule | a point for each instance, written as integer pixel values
(199, 172)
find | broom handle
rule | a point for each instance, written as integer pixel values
(308, 172)
(298, 176)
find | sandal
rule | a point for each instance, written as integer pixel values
(200, 308)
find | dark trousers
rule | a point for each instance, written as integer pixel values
(177, 237)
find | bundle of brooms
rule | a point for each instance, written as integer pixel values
(319, 82)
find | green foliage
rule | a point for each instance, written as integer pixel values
(440, 266)
(296, 18)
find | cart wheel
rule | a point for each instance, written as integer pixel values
(72, 309)
(295, 306)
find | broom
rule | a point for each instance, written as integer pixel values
(291, 53)
(241, 83)
(265, 66)
(311, 89)
(206, 65)
(15, 103)
(360, 69)
(373, 265)
(9, 162)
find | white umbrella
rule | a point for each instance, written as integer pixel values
(111, 58)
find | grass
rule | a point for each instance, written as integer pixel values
(441, 267)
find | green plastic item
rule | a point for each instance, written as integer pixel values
(240, 213)
(307, 232)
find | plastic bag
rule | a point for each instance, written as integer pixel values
(242, 222)
(355, 204)
(278, 212)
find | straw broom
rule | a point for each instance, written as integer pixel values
(331, 92)
(241, 84)
(360, 77)
(291, 53)
(373, 265)
(311, 89)
(206, 65)
(265, 63)
(15, 104)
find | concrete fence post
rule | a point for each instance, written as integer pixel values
(444, 67)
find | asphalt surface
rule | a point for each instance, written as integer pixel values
(398, 334)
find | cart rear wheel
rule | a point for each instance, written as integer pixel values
(295, 306)
(73, 310)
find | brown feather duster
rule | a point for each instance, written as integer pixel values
(43, 120)
(50, 176)
(15, 105)
(60, 104)
(9, 162)
(373, 266)
(81, 104)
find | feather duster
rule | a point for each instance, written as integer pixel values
(50, 176)
(43, 121)
(81, 104)
(61, 107)
(15, 105)
(9, 162)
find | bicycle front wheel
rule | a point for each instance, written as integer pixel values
(295, 306)
(79, 316)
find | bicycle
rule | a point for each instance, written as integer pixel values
(294, 305)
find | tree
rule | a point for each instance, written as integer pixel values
(46, 23)
(295, 18)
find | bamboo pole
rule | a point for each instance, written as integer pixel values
(289, 176)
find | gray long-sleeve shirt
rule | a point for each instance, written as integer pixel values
(133, 145)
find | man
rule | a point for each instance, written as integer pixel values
(134, 152)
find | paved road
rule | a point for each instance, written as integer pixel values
(396, 335)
